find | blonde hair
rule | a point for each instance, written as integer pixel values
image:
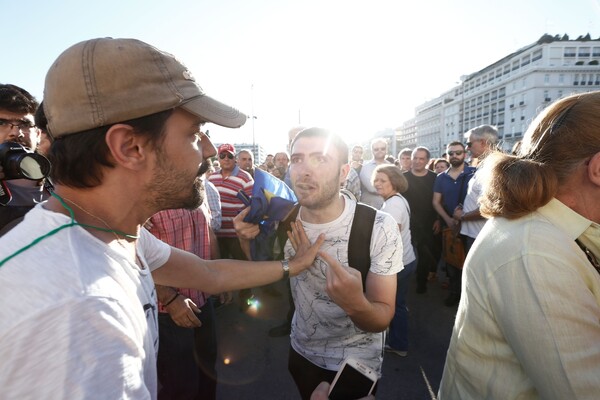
(561, 137)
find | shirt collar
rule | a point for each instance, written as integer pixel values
(575, 225)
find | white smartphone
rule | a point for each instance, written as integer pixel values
(353, 381)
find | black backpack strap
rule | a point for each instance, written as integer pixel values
(284, 226)
(359, 244)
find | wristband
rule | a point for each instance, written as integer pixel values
(285, 265)
(172, 299)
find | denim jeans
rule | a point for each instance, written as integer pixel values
(398, 336)
(187, 357)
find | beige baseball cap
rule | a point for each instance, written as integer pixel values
(104, 81)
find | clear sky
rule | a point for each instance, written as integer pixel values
(357, 67)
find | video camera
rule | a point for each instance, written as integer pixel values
(18, 162)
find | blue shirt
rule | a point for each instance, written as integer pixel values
(453, 191)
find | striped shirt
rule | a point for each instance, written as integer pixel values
(187, 230)
(228, 188)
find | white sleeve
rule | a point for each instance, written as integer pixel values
(155, 251)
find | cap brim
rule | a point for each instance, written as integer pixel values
(214, 111)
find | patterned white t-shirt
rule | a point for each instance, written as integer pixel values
(321, 331)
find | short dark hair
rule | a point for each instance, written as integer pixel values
(77, 159)
(17, 100)
(456, 143)
(40, 118)
(405, 152)
(422, 148)
(336, 141)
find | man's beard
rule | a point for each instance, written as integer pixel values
(171, 188)
(325, 196)
(456, 162)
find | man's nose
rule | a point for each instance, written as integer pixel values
(15, 132)
(207, 147)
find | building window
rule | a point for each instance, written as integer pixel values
(536, 55)
(546, 79)
(584, 52)
(561, 79)
(570, 52)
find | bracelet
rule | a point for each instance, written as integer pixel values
(285, 265)
(172, 299)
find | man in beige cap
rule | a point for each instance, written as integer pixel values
(127, 120)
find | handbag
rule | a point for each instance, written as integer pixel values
(453, 248)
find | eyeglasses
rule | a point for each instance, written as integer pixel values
(228, 155)
(469, 144)
(457, 152)
(22, 125)
(378, 148)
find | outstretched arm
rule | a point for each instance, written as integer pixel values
(184, 269)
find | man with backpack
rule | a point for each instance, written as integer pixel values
(340, 311)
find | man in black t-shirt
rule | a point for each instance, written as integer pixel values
(423, 219)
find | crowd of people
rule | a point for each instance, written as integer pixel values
(118, 257)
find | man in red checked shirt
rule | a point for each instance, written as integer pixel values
(187, 329)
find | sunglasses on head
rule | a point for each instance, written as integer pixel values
(228, 155)
(457, 152)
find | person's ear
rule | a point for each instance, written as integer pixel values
(594, 169)
(344, 169)
(127, 148)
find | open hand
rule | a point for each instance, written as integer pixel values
(305, 251)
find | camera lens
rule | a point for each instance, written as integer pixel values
(31, 167)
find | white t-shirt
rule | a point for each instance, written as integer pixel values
(472, 228)
(78, 318)
(398, 207)
(321, 331)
